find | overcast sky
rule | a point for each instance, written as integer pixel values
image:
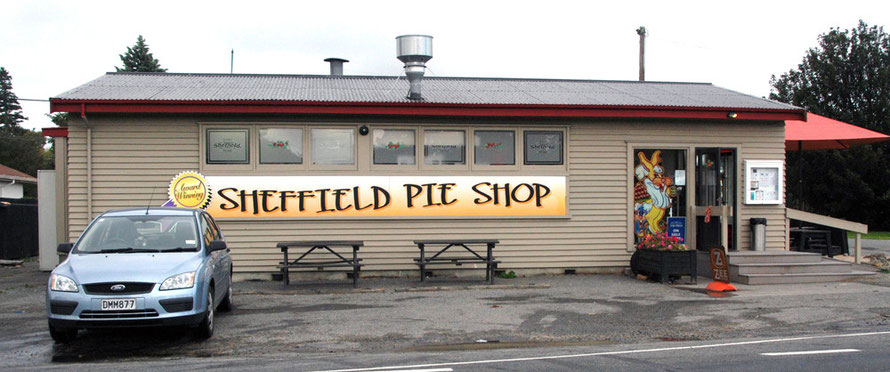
(50, 47)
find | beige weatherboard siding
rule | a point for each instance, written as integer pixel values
(134, 159)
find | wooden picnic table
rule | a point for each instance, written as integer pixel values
(322, 245)
(438, 258)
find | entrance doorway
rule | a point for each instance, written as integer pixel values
(660, 200)
(715, 198)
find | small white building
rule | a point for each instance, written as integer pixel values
(11, 182)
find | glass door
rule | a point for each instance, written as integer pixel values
(715, 201)
(660, 200)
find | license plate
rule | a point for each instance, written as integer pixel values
(118, 304)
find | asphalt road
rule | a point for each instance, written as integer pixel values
(858, 352)
(865, 351)
(317, 326)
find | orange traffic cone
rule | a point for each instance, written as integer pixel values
(716, 286)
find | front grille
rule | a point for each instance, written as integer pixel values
(174, 305)
(129, 288)
(120, 314)
(62, 307)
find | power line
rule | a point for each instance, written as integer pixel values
(33, 100)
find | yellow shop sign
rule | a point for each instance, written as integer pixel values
(384, 196)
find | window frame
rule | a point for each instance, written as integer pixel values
(395, 167)
(467, 153)
(562, 140)
(355, 149)
(247, 141)
(204, 148)
(363, 161)
(491, 167)
(282, 166)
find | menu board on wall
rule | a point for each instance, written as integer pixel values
(764, 182)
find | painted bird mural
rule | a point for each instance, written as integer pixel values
(653, 193)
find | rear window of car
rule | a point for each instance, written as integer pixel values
(113, 234)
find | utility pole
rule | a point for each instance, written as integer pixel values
(232, 62)
(642, 32)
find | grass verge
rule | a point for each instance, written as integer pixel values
(878, 235)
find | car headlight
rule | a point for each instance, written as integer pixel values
(62, 283)
(184, 280)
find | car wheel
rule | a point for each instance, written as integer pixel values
(62, 335)
(227, 303)
(205, 328)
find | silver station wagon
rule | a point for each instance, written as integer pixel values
(141, 267)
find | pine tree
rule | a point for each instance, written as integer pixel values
(139, 59)
(20, 148)
(10, 110)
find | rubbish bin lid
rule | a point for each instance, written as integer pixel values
(758, 221)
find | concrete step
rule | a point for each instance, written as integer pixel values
(759, 279)
(824, 266)
(749, 257)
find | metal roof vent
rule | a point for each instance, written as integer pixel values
(336, 65)
(414, 51)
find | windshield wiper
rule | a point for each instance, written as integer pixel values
(143, 250)
(180, 249)
(128, 250)
(116, 250)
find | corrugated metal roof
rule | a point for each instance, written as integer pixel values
(442, 90)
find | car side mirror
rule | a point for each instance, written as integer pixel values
(218, 245)
(65, 248)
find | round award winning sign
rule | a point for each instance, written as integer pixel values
(189, 190)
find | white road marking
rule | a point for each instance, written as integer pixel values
(811, 352)
(421, 370)
(620, 352)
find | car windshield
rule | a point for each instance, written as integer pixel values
(130, 234)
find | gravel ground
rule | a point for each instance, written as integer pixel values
(400, 315)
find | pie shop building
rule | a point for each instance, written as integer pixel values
(568, 175)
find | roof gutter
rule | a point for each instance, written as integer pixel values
(421, 109)
(17, 179)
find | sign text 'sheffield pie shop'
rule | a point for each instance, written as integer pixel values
(294, 196)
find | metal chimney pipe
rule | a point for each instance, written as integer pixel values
(336, 65)
(414, 51)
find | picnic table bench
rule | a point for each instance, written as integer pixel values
(322, 245)
(814, 240)
(475, 257)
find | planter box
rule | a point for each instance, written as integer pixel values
(664, 263)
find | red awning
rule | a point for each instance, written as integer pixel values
(821, 133)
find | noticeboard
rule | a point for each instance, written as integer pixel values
(764, 182)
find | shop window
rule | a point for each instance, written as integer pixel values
(332, 146)
(281, 146)
(495, 147)
(228, 146)
(543, 148)
(444, 147)
(394, 147)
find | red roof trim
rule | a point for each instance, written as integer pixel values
(55, 132)
(413, 109)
